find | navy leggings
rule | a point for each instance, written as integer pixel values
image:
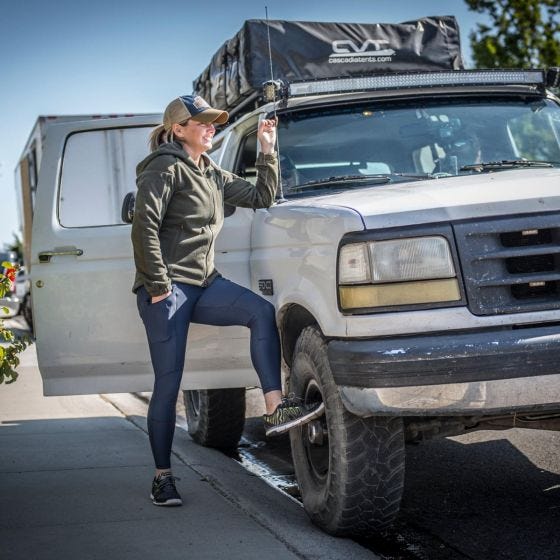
(223, 303)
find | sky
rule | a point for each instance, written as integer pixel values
(63, 57)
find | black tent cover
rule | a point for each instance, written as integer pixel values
(303, 50)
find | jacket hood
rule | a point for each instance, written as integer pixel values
(167, 154)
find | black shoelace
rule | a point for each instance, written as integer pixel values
(164, 481)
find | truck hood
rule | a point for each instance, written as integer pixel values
(515, 191)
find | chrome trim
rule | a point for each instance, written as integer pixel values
(483, 397)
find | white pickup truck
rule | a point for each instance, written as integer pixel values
(413, 258)
(416, 277)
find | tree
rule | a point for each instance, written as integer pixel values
(16, 245)
(521, 34)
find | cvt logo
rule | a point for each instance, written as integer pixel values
(371, 50)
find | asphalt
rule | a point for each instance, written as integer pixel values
(75, 476)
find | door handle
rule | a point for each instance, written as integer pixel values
(45, 256)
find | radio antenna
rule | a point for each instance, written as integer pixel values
(270, 56)
(280, 193)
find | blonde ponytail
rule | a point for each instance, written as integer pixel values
(159, 136)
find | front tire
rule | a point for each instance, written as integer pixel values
(216, 417)
(350, 469)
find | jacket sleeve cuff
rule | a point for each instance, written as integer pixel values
(266, 158)
(157, 288)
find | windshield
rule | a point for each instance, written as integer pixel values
(412, 141)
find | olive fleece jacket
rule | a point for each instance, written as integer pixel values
(179, 211)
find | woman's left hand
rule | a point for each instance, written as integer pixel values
(267, 135)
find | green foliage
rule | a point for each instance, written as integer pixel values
(16, 245)
(6, 277)
(9, 354)
(521, 34)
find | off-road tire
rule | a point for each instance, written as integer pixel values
(357, 488)
(215, 417)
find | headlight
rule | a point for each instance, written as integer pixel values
(408, 271)
(416, 258)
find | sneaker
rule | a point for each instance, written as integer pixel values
(290, 413)
(164, 492)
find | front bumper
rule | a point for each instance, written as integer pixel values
(485, 372)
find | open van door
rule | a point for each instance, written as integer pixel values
(90, 338)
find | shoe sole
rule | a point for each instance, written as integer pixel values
(172, 502)
(277, 430)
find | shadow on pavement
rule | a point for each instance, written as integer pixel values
(486, 499)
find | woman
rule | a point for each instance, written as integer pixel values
(178, 213)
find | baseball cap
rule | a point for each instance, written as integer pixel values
(192, 107)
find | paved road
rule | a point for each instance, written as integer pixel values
(488, 495)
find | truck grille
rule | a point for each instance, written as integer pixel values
(510, 265)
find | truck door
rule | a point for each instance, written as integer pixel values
(90, 338)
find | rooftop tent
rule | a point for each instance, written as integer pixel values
(310, 50)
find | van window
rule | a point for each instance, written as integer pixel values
(98, 169)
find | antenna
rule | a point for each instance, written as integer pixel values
(270, 56)
(280, 192)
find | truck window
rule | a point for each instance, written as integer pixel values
(98, 169)
(245, 166)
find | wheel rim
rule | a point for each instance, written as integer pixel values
(315, 437)
(194, 402)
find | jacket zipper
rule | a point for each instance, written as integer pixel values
(205, 280)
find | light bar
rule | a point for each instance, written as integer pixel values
(420, 79)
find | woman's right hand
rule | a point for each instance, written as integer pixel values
(155, 299)
(266, 134)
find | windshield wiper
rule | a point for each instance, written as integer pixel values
(506, 164)
(378, 179)
(335, 180)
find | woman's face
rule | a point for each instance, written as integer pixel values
(197, 135)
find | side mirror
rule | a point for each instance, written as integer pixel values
(127, 210)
